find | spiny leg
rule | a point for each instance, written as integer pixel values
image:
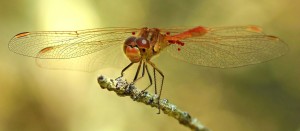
(122, 72)
(137, 72)
(161, 86)
(155, 83)
(143, 72)
(150, 79)
(162, 82)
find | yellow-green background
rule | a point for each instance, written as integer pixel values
(262, 97)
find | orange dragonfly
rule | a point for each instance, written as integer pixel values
(221, 47)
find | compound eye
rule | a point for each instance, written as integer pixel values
(130, 41)
(142, 42)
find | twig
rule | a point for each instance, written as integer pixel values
(122, 88)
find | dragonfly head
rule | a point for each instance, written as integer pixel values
(134, 48)
(131, 49)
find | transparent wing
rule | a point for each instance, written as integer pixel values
(67, 44)
(225, 47)
(85, 47)
(111, 57)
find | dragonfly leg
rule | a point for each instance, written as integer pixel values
(150, 79)
(162, 82)
(137, 73)
(122, 72)
(143, 72)
(136, 78)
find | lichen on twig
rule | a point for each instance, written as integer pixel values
(122, 88)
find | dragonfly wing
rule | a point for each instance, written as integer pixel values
(67, 44)
(226, 47)
(111, 57)
(86, 50)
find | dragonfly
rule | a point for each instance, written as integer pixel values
(219, 47)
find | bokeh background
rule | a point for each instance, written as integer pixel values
(262, 97)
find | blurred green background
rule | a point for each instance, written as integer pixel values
(262, 97)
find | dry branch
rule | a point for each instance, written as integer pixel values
(122, 88)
